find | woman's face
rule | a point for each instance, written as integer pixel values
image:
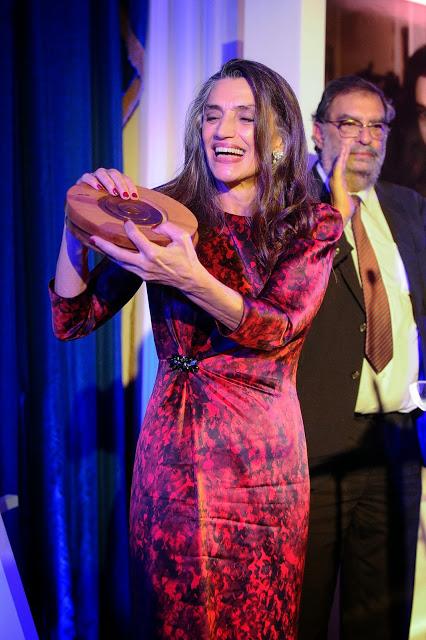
(421, 105)
(228, 133)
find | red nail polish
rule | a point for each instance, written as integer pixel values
(134, 195)
(100, 187)
(115, 192)
(125, 194)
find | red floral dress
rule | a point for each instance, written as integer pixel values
(220, 493)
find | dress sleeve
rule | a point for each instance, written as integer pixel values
(294, 291)
(109, 288)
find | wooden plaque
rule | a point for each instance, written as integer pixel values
(92, 212)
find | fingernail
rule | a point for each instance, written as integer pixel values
(100, 187)
(134, 195)
(92, 242)
(115, 192)
(125, 194)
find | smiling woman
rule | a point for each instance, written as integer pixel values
(228, 138)
(220, 487)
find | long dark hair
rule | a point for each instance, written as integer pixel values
(282, 210)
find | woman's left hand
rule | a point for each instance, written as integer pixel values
(114, 181)
(175, 265)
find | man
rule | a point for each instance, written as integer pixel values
(353, 379)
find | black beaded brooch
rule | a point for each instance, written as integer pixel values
(183, 363)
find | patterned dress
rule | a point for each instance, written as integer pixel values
(220, 492)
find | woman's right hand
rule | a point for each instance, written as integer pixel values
(72, 266)
(113, 181)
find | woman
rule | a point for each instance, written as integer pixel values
(220, 488)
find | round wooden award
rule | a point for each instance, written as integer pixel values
(92, 212)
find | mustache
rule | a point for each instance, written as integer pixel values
(365, 148)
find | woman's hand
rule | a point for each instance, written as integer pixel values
(175, 265)
(115, 182)
(72, 266)
(340, 197)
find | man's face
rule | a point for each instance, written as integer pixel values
(366, 154)
(421, 105)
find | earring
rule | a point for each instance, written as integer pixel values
(277, 155)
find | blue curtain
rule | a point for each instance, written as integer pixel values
(66, 447)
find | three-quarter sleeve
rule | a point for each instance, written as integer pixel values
(109, 288)
(294, 291)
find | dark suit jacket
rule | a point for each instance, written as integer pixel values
(331, 360)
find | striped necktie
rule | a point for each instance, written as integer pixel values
(378, 339)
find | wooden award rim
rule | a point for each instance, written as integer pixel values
(85, 217)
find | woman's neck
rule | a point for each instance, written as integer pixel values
(237, 201)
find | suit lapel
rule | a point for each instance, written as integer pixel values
(320, 190)
(399, 224)
(343, 262)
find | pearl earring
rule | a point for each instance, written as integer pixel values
(277, 155)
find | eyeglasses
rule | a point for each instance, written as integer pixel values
(352, 128)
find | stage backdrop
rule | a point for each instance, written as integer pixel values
(71, 411)
(66, 443)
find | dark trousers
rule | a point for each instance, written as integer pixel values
(364, 521)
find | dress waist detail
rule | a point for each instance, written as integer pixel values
(183, 363)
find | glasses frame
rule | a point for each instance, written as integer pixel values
(385, 127)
